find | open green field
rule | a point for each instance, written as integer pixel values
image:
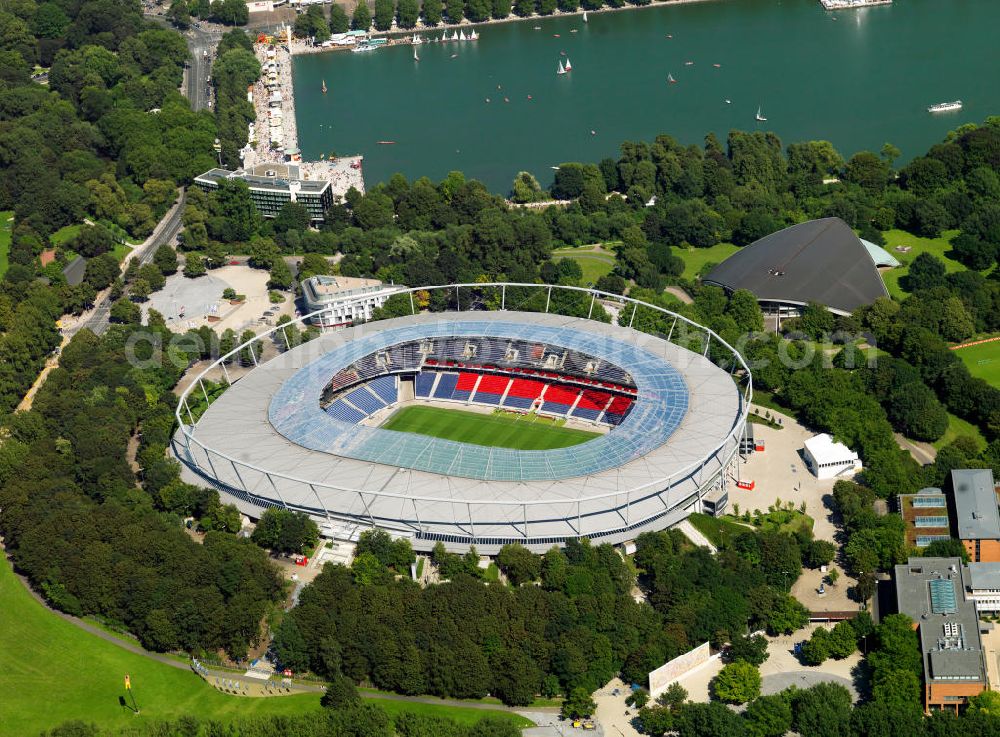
(6, 223)
(936, 246)
(52, 671)
(983, 361)
(522, 432)
(696, 258)
(957, 426)
(593, 263)
(65, 234)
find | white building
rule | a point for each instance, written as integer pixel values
(349, 299)
(826, 458)
(984, 586)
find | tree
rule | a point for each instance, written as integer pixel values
(124, 311)
(817, 648)
(407, 13)
(819, 553)
(702, 720)
(752, 650)
(455, 10)
(384, 12)
(362, 18)
(950, 548)
(519, 564)
(194, 266)
(745, 311)
(281, 276)
(341, 693)
(432, 11)
(822, 711)
(339, 22)
(93, 240)
(165, 259)
(577, 704)
(867, 170)
(737, 683)
(843, 640)
(769, 716)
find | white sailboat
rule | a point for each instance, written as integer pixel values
(569, 67)
(461, 35)
(473, 36)
(670, 79)
(584, 16)
(415, 57)
(560, 70)
(760, 116)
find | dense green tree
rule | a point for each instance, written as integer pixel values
(737, 683)
(454, 10)
(431, 11)
(577, 703)
(339, 22)
(362, 18)
(194, 266)
(383, 14)
(165, 259)
(519, 564)
(407, 13)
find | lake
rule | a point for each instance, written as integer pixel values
(858, 78)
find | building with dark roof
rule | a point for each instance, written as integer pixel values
(931, 591)
(272, 185)
(977, 517)
(817, 261)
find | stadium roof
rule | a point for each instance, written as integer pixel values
(676, 438)
(816, 261)
(879, 255)
(295, 410)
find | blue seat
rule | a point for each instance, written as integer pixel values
(385, 387)
(555, 408)
(518, 402)
(340, 411)
(487, 398)
(586, 413)
(446, 386)
(365, 400)
(423, 384)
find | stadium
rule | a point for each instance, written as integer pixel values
(477, 426)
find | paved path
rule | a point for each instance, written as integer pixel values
(680, 294)
(923, 453)
(693, 535)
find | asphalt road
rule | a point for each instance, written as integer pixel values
(196, 90)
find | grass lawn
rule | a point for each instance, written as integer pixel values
(594, 264)
(120, 251)
(696, 258)
(957, 426)
(522, 432)
(935, 246)
(51, 671)
(6, 224)
(719, 531)
(983, 361)
(65, 234)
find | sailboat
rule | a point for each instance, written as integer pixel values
(461, 35)
(584, 16)
(760, 116)
(324, 87)
(670, 79)
(569, 67)
(560, 70)
(415, 57)
(473, 36)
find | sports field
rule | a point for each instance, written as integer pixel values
(520, 432)
(52, 671)
(983, 360)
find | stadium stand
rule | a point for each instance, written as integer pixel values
(446, 386)
(463, 389)
(591, 404)
(559, 399)
(365, 400)
(345, 413)
(491, 389)
(523, 393)
(424, 383)
(385, 388)
(618, 410)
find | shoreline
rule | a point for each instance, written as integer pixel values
(403, 36)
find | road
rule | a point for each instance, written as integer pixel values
(196, 90)
(166, 231)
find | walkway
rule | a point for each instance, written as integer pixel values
(694, 536)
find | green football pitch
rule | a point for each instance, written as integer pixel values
(983, 361)
(520, 432)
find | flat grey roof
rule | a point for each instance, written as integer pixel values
(931, 591)
(274, 184)
(984, 575)
(75, 271)
(816, 261)
(975, 504)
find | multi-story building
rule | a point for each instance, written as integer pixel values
(983, 586)
(273, 185)
(977, 518)
(932, 592)
(348, 299)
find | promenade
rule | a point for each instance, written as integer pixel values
(343, 173)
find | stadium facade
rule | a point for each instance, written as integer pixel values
(301, 430)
